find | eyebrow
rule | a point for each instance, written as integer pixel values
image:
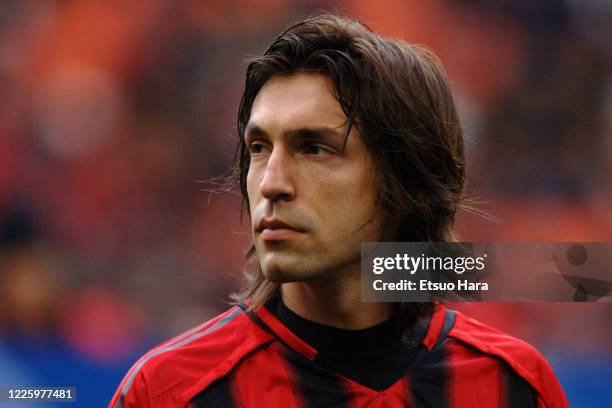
(321, 132)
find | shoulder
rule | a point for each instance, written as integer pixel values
(522, 357)
(177, 369)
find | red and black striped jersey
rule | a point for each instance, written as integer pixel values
(273, 358)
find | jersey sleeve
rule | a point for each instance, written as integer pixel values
(172, 373)
(523, 358)
(132, 392)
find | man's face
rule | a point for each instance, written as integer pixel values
(311, 202)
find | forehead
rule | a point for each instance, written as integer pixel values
(297, 100)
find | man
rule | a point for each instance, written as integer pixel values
(345, 137)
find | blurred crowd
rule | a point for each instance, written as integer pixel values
(115, 116)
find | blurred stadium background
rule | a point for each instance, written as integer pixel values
(111, 111)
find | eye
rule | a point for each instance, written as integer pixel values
(257, 148)
(313, 149)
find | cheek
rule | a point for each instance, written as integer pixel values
(361, 189)
(251, 184)
(252, 192)
(348, 201)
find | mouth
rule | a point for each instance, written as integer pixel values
(270, 229)
(278, 234)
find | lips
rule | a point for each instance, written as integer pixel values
(273, 224)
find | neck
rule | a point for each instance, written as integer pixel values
(334, 302)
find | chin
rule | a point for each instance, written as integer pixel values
(284, 272)
(280, 275)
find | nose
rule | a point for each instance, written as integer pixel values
(277, 183)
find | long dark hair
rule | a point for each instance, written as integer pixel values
(397, 95)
